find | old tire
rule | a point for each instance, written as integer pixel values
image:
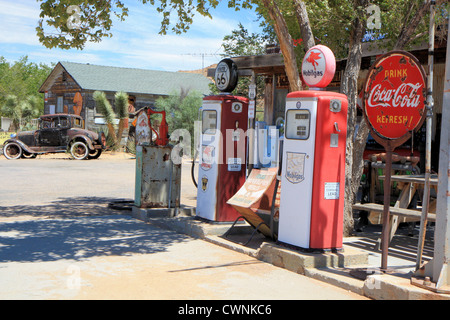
(94, 154)
(26, 155)
(79, 150)
(12, 151)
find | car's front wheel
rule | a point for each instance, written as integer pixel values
(12, 151)
(79, 150)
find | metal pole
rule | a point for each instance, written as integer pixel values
(386, 213)
(251, 136)
(437, 270)
(429, 123)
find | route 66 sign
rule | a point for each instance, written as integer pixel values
(226, 75)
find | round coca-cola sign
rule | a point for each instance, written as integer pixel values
(394, 96)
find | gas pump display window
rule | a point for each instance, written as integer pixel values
(298, 124)
(209, 122)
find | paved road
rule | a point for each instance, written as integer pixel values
(59, 240)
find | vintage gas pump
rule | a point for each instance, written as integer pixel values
(313, 160)
(266, 145)
(223, 148)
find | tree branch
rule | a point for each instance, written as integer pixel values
(286, 45)
(305, 27)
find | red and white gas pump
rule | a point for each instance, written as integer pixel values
(313, 160)
(223, 148)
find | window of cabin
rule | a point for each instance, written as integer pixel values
(59, 104)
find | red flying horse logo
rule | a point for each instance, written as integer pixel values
(313, 57)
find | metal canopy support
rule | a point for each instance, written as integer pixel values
(429, 120)
(435, 275)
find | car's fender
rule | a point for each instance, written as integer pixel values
(83, 138)
(20, 143)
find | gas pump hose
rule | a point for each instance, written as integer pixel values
(193, 166)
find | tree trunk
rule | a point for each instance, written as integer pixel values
(356, 147)
(349, 87)
(305, 26)
(112, 134)
(120, 131)
(286, 45)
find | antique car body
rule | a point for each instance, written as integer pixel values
(56, 133)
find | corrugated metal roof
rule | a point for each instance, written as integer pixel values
(132, 80)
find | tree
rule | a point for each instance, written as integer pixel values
(23, 80)
(347, 20)
(181, 110)
(338, 24)
(104, 107)
(20, 111)
(241, 43)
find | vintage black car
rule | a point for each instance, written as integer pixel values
(57, 133)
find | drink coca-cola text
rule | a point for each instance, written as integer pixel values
(406, 95)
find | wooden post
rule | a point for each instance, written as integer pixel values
(386, 213)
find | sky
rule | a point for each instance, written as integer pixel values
(135, 42)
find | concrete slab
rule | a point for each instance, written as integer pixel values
(334, 267)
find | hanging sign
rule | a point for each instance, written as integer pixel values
(394, 97)
(318, 67)
(226, 75)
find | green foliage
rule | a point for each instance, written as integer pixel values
(66, 27)
(71, 23)
(104, 107)
(23, 80)
(21, 110)
(241, 43)
(181, 110)
(121, 104)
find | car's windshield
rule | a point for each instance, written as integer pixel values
(55, 122)
(47, 123)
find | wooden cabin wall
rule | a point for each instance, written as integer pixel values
(66, 87)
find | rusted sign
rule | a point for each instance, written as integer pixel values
(394, 97)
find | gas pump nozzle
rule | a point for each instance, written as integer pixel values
(161, 136)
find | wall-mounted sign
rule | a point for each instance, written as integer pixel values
(78, 100)
(394, 97)
(318, 67)
(226, 75)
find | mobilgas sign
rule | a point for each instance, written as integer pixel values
(318, 67)
(394, 97)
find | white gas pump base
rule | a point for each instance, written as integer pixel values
(310, 250)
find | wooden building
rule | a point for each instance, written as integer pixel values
(70, 86)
